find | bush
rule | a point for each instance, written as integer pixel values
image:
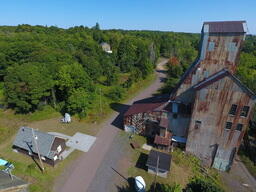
(116, 93)
(202, 185)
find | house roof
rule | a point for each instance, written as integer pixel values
(219, 75)
(6, 183)
(104, 43)
(142, 108)
(164, 162)
(159, 140)
(24, 139)
(225, 27)
(148, 104)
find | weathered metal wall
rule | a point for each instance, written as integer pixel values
(211, 107)
(218, 51)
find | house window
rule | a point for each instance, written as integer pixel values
(59, 148)
(233, 109)
(197, 124)
(55, 157)
(211, 46)
(232, 47)
(244, 111)
(239, 127)
(228, 125)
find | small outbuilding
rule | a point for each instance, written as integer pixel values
(106, 47)
(159, 163)
(49, 146)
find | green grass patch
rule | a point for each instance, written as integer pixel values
(46, 113)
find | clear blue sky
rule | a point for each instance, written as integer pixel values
(167, 15)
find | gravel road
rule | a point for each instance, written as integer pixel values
(91, 171)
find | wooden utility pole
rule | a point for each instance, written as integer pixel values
(38, 153)
(100, 103)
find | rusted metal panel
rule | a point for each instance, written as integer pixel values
(213, 111)
(213, 61)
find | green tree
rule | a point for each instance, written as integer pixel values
(26, 85)
(79, 102)
(71, 77)
(202, 185)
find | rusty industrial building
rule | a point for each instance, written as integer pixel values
(209, 110)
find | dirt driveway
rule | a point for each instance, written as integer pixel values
(81, 174)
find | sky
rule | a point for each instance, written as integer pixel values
(163, 15)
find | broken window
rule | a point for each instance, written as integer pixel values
(239, 127)
(228, 125)
(211, 46)
(197, 124)
(233, 109)
(244, 111)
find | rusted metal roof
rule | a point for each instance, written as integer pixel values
(142, 108)
(219, 75)
(148, 104)
(166, 140)
(162, 140)
(226, 26)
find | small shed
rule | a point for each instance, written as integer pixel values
(159, 163)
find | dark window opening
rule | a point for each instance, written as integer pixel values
(197, 124)
(239, 127)
(244, 111)
(233, 109)
(228, 125)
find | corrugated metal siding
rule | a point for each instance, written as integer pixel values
(211, 107)
(211, 62)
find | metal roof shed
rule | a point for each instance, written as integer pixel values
(158, 163)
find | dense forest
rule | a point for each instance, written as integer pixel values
(67, 68)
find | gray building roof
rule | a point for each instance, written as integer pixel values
(164, 162)
(6, 183)
(24, 140)
(226, 27)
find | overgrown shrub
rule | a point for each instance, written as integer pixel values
(202, 185)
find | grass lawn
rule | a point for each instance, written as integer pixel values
(183, 167)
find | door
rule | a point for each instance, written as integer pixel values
(223, 159)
